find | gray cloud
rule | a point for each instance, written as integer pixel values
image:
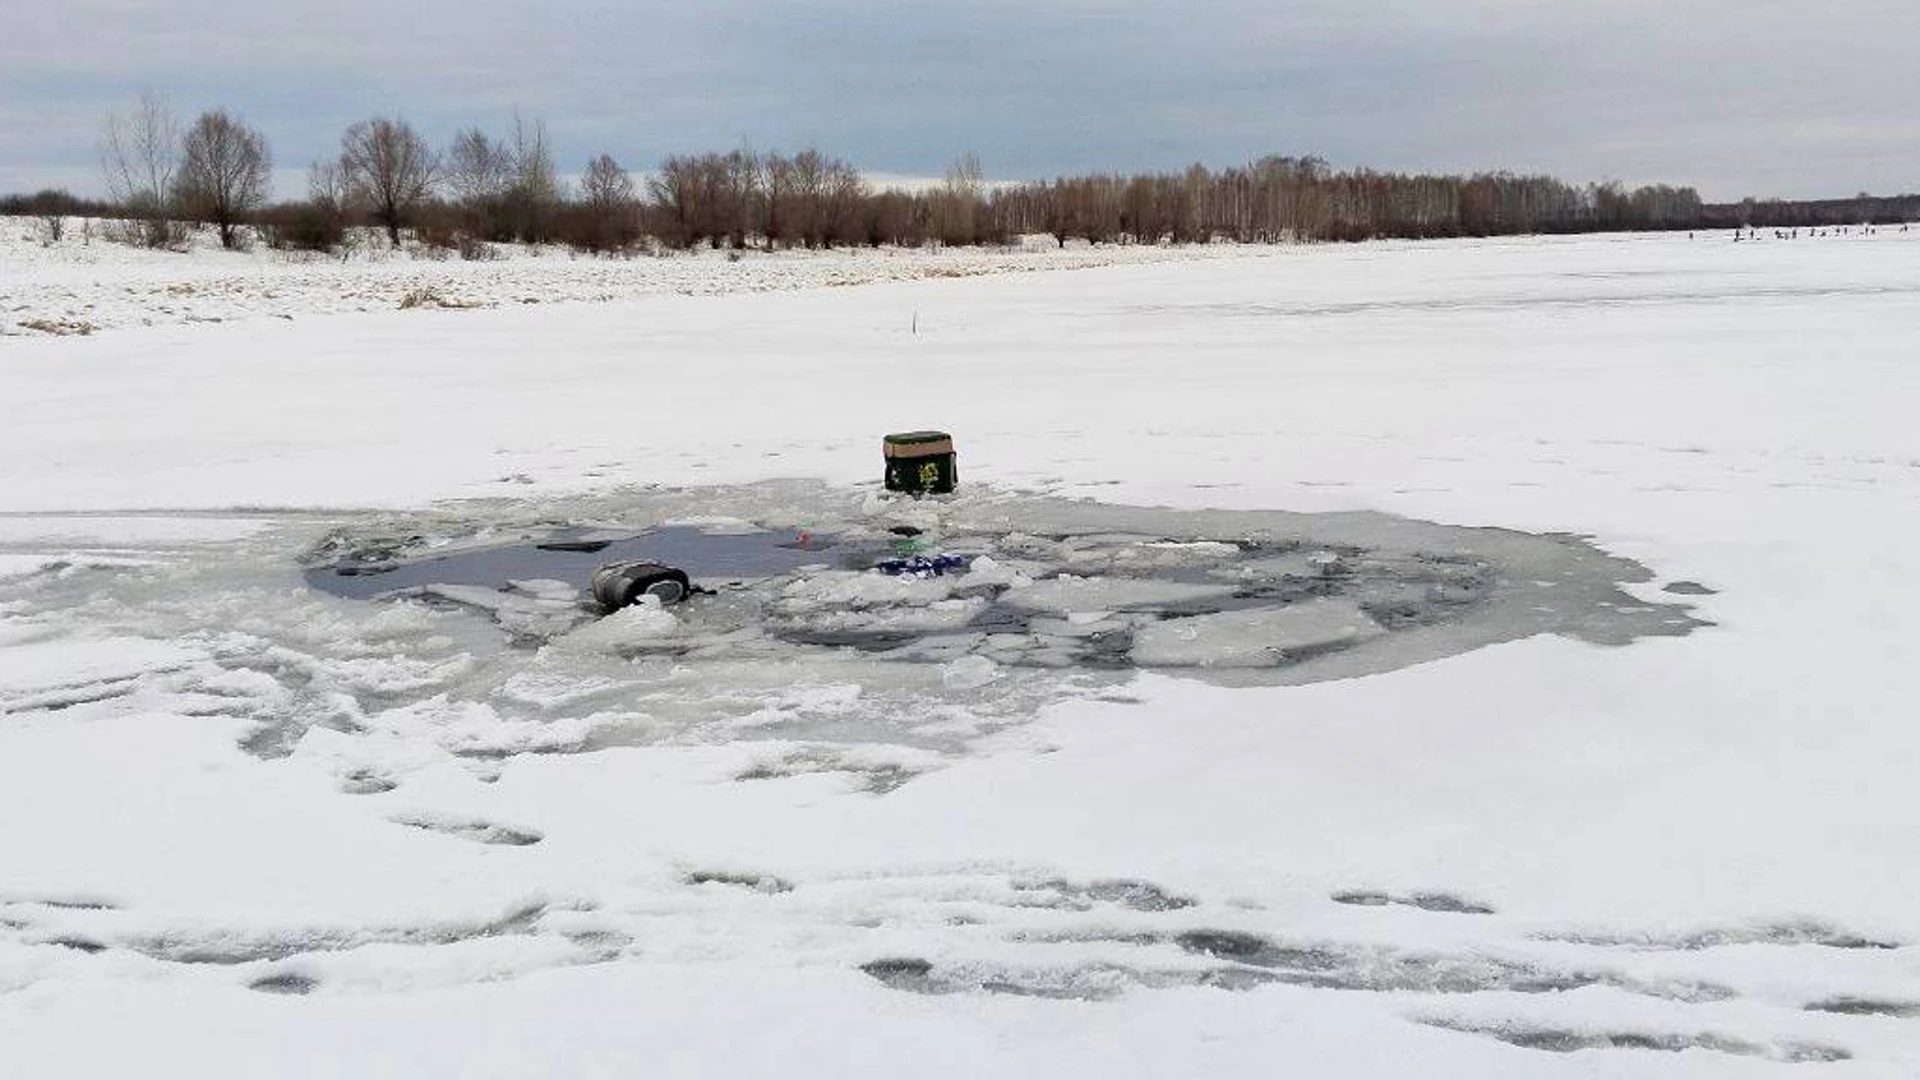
(1756, 97)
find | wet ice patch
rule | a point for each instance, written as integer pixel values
(1569, 1040)
(1033, 583)
(366, 782)
(1445, 903)
(540, 559)
(875, 769)
(767, 884)
(1336, 966)
(235, 947)
(1238, 962)
(1129, 893)
(1789, 932)
(286, 982)
(465, 631)
(1253, 638)
(1857, 1006)
(471, 829)
(1071, 593)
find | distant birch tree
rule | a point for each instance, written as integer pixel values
(534, 192)
(139, 155)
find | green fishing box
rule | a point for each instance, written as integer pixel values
(920, 462)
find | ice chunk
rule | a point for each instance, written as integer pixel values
(939, 647)
(541, 615)
(843, 588)
(907, 618)
(969, 672)
(986, 570)
(1078, 625)
(547, 690)
(643, 623)
(19, 566)
(1068, 594)
(1327, 564)
(1297, 564)
(715, 524)
(476, 728)
(1174, 554)
(1198, 549)
(1257, 637)
(398, 674)
(547, 588)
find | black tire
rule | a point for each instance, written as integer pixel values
(620, 585)
(671, 588)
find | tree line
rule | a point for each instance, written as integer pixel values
(483, 189)
(1862, 209)
(1279, 199)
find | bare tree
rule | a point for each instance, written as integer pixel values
(50, 205)
(388, 166)
(328, 195)
(846, 191)
(960, 203)
(607, 216)
(776, 187)
(478, 168)
(480, 173)
(326, 187)
(224, 175)
(535, 190)
(739, 190)
(139, 154)
(318, 224)
(965, 178)
(675, 188)
(605, 186)
(807, 196)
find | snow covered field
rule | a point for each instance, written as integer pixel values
(252, 828)
(84, 284)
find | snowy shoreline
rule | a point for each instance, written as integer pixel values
(83, 285)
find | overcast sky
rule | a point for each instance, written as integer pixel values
(1735, 97)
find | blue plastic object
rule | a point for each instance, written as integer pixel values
(924, 566)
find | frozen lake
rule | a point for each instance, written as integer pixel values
(266, 828)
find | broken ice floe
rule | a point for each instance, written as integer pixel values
(464, 631)
(1031, 583)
